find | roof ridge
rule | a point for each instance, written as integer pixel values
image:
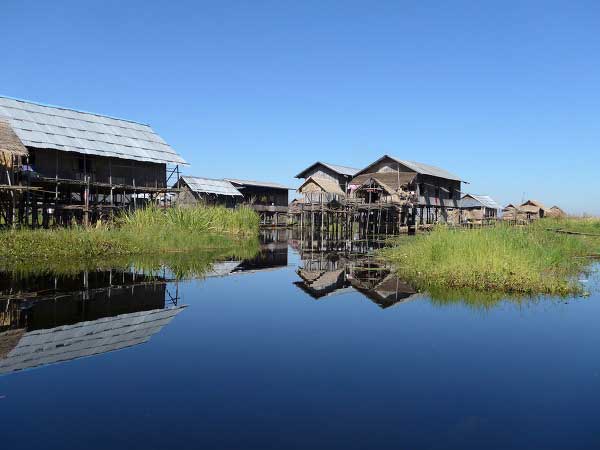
(205, 178)
(47, 105)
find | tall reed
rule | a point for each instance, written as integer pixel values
(146, 231)
(529, 260)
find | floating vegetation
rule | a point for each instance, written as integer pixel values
(528, 260)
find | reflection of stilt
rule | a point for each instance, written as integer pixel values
(174, 299)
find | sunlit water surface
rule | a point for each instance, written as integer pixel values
(291, 350)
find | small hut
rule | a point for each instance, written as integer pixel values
(268, 199)
(556, 212)
(533, 209)
(478, 209)
(194, 190)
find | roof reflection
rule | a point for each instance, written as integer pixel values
(324, 274)
(49, 319)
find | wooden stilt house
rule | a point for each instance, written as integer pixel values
(269, 200)
(78, 166)
(425, 193)
(198, 190)
(479, 209)
(533, 209)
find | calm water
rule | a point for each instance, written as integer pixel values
(293, 349)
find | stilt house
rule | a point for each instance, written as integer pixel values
(533, 209)
(194, 190)
(269, 200)
(67, 165)
(479, 209)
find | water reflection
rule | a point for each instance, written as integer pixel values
(272, 255)
(328, 273)
(50, 319)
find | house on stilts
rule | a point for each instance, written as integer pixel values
(208, 191)
(479, 209)
(382, 198)
(269, 200)
(326, 178)
(61, 166)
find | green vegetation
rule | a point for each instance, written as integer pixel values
(523, 260)
(153, 233)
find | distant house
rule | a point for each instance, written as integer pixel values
(194, 190)
(510, 212)
(479, 208)
(269, 200)
(533, 209)
(555, 211)
(327, 178)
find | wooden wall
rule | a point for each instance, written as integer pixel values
(320, 171)
(257, 195)
(74, 166)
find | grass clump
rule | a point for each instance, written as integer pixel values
(151, 231)
(524, 260)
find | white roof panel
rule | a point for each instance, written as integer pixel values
(484, 200)
(52, 127)
(210, 186)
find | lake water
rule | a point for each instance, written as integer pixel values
(294, 349)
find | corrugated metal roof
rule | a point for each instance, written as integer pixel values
(52, 127)
(259, 183)
(210, 186)
(484, 200)
(426, 169)
(342, 170)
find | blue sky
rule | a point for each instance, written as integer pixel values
(505, 94)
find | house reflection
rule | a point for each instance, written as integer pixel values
(327, 274)
(273, 255)
(45, 320)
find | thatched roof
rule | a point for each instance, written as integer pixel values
(10, 144)
(390, 181)
(533, 203)
(329, 186)
(555, 211)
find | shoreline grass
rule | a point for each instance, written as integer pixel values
(527, 260)
(151, 231)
